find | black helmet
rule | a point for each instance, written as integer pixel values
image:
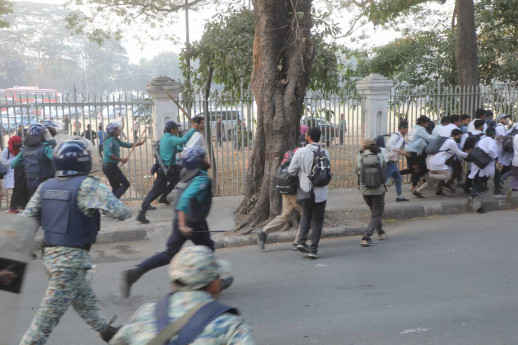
(71, 158)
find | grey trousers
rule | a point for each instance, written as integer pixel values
(377, 205)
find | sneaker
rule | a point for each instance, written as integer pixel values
(448, 188)
(303, 248)
(382, 236)
(417, 194)
(313, 256)
(467, 190)
(294, 247)
(151, 208)
(108, 333)
(261, 239)
(366, 243)
(128, 278)
(141, 217)
(440, 194)
(226, 282)
(163, 200)
(401, 199)
(13, 212)
(499, 193)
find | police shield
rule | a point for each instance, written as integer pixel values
(16, 243)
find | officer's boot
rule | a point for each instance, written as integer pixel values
(128, 278)
(108, 333)
(163, 200)
(141, 217)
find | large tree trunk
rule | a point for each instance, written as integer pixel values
(283, 52)
(466, 52)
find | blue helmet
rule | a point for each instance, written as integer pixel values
(71, 158)
(112, 127)
(36, 130)
(192, 157)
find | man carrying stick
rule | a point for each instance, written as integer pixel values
(111, 159)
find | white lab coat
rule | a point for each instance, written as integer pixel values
(445, 131)
(471, 126)
(488, 145)
(504, 158)
(5, 159)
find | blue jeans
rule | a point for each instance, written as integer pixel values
(392, 171)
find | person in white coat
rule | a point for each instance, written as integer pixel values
(478, 175)
(438, 165)
(504, 158)
(514, 182)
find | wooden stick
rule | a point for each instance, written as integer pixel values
(179, 107)
(135, 145)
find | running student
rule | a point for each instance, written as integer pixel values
(192, 206)
(112, 157)
(418, 139)
(393, 149)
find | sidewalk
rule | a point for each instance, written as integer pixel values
(346, 215)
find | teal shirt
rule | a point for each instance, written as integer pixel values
(169, 146)
(19, 161)
(198, 188)
(112, 146)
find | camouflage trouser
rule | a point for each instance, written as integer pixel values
(67, 286)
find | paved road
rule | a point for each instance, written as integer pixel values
(450, 280)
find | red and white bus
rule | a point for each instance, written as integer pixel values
(28, 95)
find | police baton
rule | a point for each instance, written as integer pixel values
(135, 145)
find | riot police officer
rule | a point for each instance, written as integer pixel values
(36, 156)
(192, 206)
(112, 157)
(68, 209)
(169, 145)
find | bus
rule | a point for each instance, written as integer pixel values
(27, 95)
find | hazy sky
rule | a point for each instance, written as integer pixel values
(196, 23)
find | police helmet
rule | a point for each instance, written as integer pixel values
(51, 126)
(192, 157)
(36, 130)
(112, 127)
(72, 157)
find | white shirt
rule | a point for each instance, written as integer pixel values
(448, 149)
(471, 126)
(515, 147)
(504, 158)
(488, 145)
(436, 129)
(5, 159)
(445, 131)
(395, 143)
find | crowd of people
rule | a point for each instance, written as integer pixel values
(51, 182)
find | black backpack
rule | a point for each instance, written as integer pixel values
(284, 182)
(320, 170)
(507, 143)
(472, 141)
(380, 140)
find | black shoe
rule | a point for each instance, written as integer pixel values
(467, 190)
(313, 256)
(439, 194)
(303, 248)
(163, 200)
(499, 192)
(108, 333)
(128, 278)
(261, 239)
(34, 256)
(226, 282)
(141, 217)
(417, 194)
(401, 199)
(151, 208)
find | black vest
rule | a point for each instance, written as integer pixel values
(37, 165)
(197, 211)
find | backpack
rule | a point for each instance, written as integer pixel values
(372, 175)
(507, 142)
(479, 157)
(435, 145)
(320, 170)
(472, 141)
(380, 140)
(284, 182)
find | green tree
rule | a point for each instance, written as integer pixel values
(6, 7)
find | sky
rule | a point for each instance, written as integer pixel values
(197, 20)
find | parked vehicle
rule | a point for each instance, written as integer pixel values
(328, 129)
(228, 118)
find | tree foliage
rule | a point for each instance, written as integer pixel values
(6, 7)
(225, 50)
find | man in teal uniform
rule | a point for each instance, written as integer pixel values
(112, 157)
(68, 209)
(165, 181)
(192, 205)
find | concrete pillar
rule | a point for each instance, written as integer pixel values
(164, 108)
(375, 92)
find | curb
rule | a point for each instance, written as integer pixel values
(113, 237)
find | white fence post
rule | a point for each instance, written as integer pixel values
(164, 108)
(375, 92)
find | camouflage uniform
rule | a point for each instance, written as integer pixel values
(196, 267)
(67, 267)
